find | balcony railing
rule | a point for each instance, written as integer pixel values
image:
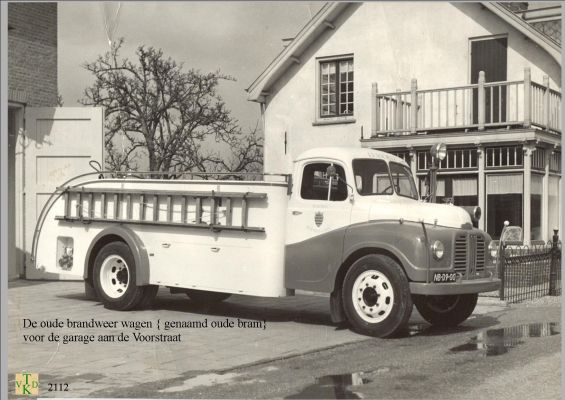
(477, 106)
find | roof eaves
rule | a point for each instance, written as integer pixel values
(291, 53)
(545, 42)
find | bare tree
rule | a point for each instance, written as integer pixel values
(171, 117)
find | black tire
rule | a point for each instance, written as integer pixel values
(119, 292)
(446, 310)
(206, 297)
(382, 304)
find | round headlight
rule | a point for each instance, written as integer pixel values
(493, 249)
(439, 151)
(477, 213)
(438, 249)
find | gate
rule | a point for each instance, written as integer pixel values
(528, 272)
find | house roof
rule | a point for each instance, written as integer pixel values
(324, 20)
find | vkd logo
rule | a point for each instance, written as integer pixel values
(27, 384)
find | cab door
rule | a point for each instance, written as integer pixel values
(319, 214)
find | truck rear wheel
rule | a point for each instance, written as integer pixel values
(114, 277)
(446, 310)
(205, 297)
(376, 296)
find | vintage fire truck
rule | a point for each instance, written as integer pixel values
(347, 221)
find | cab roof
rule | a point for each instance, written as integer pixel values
(347, 154)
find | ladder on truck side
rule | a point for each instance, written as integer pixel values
(149, 210)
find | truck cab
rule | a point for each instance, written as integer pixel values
(358, 210)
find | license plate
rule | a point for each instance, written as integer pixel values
(442, 277)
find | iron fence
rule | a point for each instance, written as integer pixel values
(528, 272)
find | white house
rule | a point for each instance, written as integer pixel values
(401, 76)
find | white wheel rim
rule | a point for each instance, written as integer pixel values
(373, 296)
(114, 276)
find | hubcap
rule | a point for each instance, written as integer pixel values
(372, 296)
(114, 276)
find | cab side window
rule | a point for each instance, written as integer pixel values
(315, 183)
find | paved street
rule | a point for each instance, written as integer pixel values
(298, 348)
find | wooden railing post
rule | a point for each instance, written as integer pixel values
(375, 110)
(481, 103)
(546, 110)
(414, 106)
(398, 116)
(527, 97)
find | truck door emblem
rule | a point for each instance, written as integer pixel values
(319, 218)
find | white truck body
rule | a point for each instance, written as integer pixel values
(231, 261)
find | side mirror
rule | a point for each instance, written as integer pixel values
(331, 171)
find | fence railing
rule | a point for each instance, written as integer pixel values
(479, 106)
(528, 272)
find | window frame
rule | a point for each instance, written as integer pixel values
(387, 171)
(321, 162)
(338, 118)
(413, 185)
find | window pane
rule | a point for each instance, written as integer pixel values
(371, 177)
(403, 181)
(330, 78)
(315, 183)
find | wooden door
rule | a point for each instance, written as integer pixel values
(59, 143)
(490, 56)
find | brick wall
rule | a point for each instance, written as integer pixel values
(32, 53)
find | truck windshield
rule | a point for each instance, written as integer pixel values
(372, 177)
(403, 181)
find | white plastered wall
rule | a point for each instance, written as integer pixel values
(391, 43)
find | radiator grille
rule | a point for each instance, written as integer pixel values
(469, 254)
(460, 254)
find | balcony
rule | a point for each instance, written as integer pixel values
(476, 107)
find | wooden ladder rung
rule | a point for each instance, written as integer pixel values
(116, 206)
(103, 205)
(183, 209)
(155, 207)
(198, 218)
(244, 211)
(142, 207)
(228, 211)
(90, 205)
(213, 210)
(169, 208)
(67, 204)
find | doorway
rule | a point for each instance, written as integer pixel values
(490, 55)
(15, 255)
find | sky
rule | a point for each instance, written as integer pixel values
(238, 38)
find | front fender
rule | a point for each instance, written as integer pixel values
(120, 232)
(404, 240)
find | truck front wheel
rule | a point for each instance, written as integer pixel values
(446, 310)
(114, 277)
(376, 296)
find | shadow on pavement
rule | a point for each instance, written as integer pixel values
(256, 311)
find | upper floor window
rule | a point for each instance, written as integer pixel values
(336, 87)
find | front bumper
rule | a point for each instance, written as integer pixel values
(462, 287)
